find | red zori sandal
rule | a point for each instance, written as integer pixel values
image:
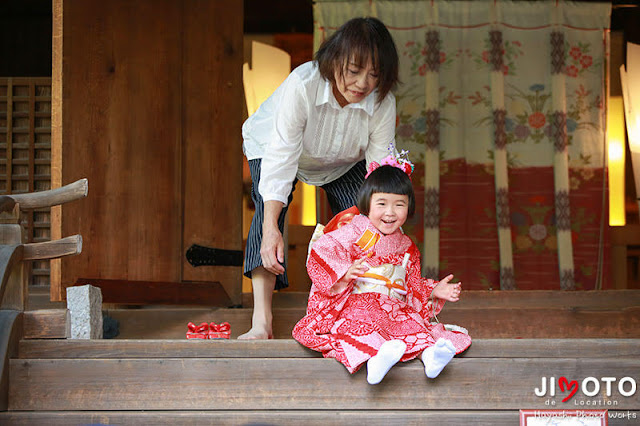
(197, 331)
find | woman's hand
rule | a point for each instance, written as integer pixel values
(272, 251)
(356, 270)
(272, 247)
(447, 291)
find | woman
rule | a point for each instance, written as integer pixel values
(327, 120)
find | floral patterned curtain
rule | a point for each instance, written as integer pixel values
(502, 106)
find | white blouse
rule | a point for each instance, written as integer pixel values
(301, 131)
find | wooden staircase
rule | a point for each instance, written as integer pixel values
(197, 382)
(155, 376)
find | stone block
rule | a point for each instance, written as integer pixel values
(85, 307)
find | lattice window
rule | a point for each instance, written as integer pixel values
(25, 154)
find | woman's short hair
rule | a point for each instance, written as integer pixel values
(389, 180)
(359, 40)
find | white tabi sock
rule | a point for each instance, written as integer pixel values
(388, 355)
(436, 357)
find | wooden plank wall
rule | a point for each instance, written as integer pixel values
(213, 110)
(151, 102)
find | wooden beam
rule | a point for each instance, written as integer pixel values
(53, 249)
(159, 293)
(53, 197)
(55, 272)
(47, 324)
(298, 384)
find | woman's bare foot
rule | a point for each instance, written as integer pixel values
(256, 333)
(260, 328)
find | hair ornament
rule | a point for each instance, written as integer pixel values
(400, 161)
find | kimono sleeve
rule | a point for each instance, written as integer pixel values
(328, 262)
(420, 289)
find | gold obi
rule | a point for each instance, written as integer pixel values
(385, 279)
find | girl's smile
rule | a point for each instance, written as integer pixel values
(388, 212)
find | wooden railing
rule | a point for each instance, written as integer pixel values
(14, 251)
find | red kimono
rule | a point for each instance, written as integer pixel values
(351, 327)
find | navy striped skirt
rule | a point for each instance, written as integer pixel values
(341, 194)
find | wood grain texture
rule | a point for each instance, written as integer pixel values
(530, 323)
(546, 323)
(160, 293)
(67, 246)
(47, 324)
(12, 287)
(55, 272)
(276, 384)
(289, 348)
(151, 115)
(10, 335)
(252, 417)
(143, 323)
(603, 300)
(73, 191)
(213, 103)
(121, 129)
(6, 203)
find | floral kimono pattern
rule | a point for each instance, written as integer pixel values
(351, 326)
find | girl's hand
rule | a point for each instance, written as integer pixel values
(356, 270)
(447, 291)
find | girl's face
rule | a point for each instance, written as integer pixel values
(355, 83)
(388, 212)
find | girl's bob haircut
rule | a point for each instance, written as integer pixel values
(386, 179)
(360, 40)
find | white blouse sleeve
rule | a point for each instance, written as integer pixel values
(281, 155)
(382, 130)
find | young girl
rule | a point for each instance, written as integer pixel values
(368, 301)
(320, 126)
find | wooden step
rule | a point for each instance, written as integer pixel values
(496, 322)
(47, 324)
(486, 323)
(267, 417)
(198, 382)
(289, 348)
(475, 299)
(486, 314)
(283, 418)
(296, 384)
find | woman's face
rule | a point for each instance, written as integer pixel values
(355, 83)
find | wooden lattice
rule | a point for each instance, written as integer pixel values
(25, 154)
